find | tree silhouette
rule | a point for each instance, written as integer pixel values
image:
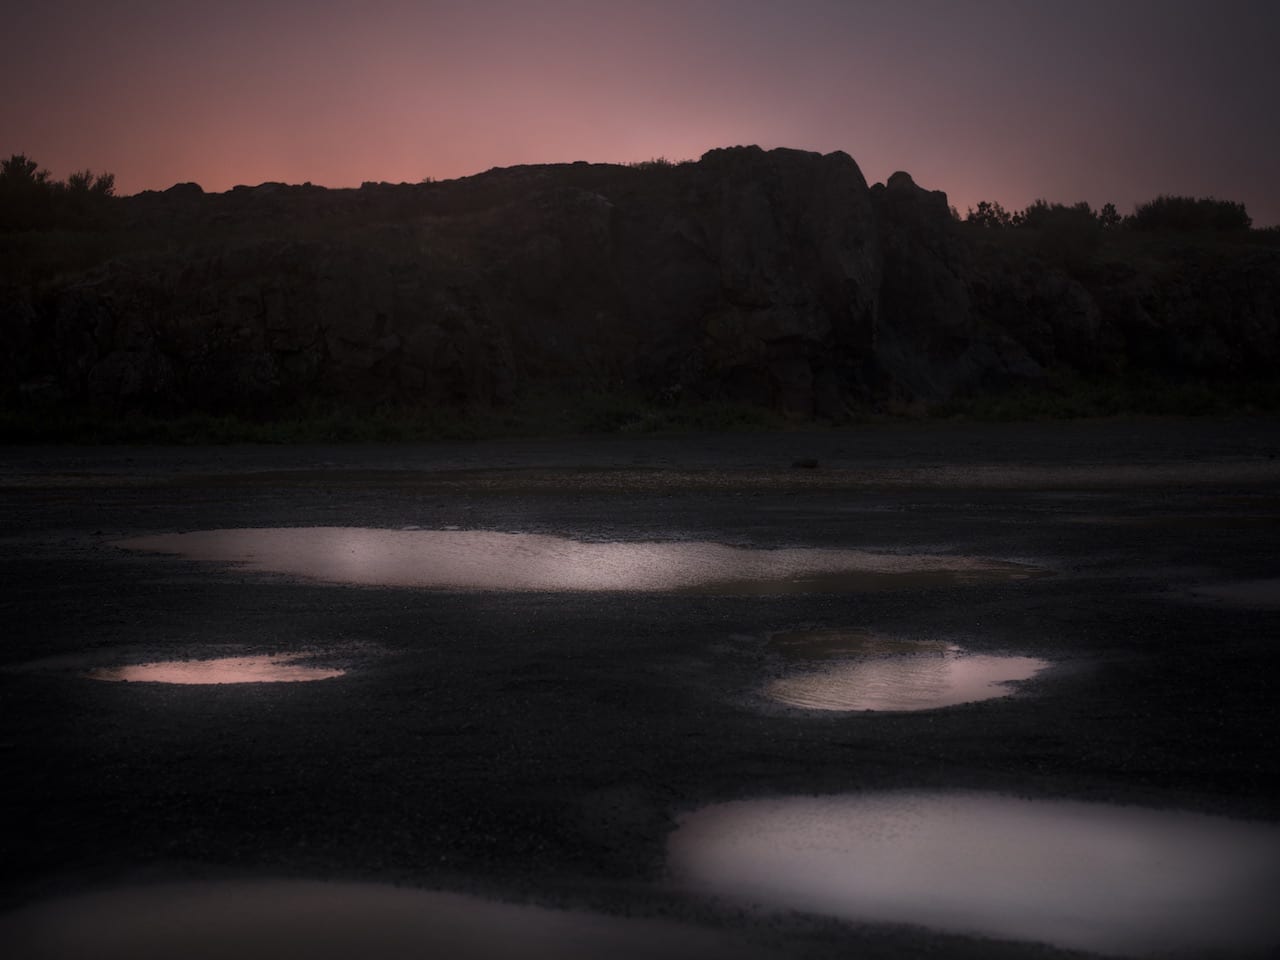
(31, 200)
(26, 196)
(1190, 213)
(989, 214)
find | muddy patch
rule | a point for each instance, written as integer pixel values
(331, 921)
(1116, 880)
(1246, 594)
(1209, 522)
(867, 672)
(487, 560)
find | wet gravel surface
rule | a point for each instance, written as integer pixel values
(536, 746)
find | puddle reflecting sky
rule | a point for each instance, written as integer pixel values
(890, 674)
(486, 560)
(277, 668)
(323, 921)
(1081, 876)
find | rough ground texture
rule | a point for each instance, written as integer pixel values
(777, 278)
(541, 745)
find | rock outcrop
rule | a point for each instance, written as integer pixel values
(778, 278)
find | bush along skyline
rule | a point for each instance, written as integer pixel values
(776, 281)
(30, 199)
(1165, 212)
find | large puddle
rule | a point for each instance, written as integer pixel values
(883, 673)
(486, 560)
(1115, 880)
(276, 668)
(323, 921)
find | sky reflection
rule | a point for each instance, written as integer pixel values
(487, 560)
(276, 668)
(896, 675)
(334, 921)
(1081, 876)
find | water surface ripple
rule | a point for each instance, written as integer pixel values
(883, 674)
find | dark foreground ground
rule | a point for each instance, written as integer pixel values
(539, 746)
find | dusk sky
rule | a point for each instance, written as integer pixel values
(989, 99)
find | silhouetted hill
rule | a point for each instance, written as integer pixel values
(774, 278)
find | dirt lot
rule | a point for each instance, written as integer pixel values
(539, 747)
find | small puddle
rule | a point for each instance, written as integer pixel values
(486, 560)
(333, 921)
(884, 673)
(1081, 876)
(273, 668)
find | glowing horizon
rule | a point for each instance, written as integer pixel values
(991, 99)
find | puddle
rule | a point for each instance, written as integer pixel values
(891, 674)
(323, 921)
(485, 560)
(274, 668)
(1076, 875)
(1249, 594)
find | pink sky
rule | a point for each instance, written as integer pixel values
(1007, 99)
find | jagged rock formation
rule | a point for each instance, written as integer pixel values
(777, 277)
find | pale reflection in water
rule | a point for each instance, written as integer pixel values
(892, 674)
(1081, 876)
(276, 668)
(331, 921)
(485, 560)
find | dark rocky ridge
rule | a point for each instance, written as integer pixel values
(777, 278)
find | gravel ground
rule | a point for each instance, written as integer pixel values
(538, 747)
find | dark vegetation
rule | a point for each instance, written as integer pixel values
(1182, 214)
(31, 200)
(746, 289)
(1072, 235)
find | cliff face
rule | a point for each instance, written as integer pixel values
(773, 277)
(957, 318)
